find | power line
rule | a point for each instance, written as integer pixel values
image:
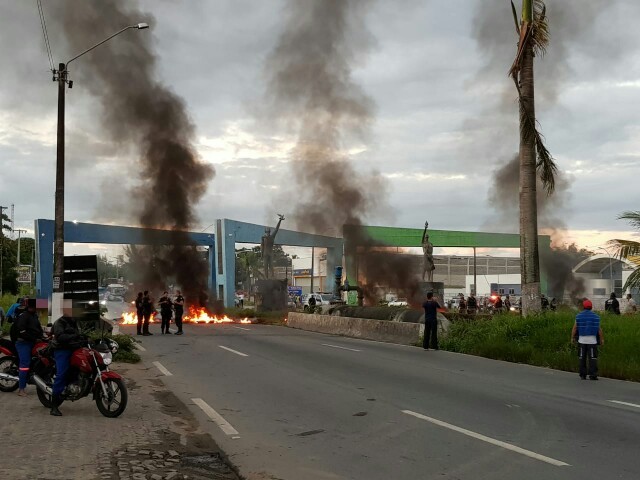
(45, 34)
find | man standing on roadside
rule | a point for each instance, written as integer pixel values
(588, 333)
(472, 304)
(178, 306)
(147, 308)
(612, 305)
(630, 308)
(165, 312)
(139, 312)
(431, 307)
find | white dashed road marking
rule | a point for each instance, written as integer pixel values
(625, 403)
(241, 328)
(139, 347)
(216, 417)
(162, 369)
(234, 351)
(338, 346)
(490, 440)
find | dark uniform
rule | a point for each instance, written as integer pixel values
(431, 307)
(165, 312)
(178, 306)
(139, 312)
(612, 305)
(472, 305)
(147, 308)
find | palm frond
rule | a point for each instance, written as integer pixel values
(540, 35)
(633, 217)
(633, 281)
(625, 248)
(545, 164)
(515, 18)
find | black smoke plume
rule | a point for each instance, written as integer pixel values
(310, 89)
(559, 261)
(139, 112)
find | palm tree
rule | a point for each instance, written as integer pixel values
(629, 249)
(535, 159)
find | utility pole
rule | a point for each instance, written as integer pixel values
(19, 230)
(2, 209)
(313, 254)
(58, 235)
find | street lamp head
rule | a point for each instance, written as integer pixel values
(142, 26)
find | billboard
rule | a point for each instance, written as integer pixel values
(293, 290)
(24, 273)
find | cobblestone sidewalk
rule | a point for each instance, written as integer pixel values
(156, 438)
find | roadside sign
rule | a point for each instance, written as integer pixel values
(293, 290)
(24, 273)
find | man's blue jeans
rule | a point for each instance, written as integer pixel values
(62, 358)
(24, 354)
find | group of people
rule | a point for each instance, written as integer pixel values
(612, 305)
(26, 329)
(168, 306)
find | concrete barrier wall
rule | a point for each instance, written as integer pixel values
(380, 330)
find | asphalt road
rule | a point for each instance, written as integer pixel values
(294, 405)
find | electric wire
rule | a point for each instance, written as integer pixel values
(45, 34)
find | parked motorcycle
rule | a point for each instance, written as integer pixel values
(9, 363)
(88, 374)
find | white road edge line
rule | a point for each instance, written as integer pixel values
(625, 403)
(215, 416)
(338, 346)
(234, 351)
(490, 440)
(140, 347)
(242, 328)
(162, 369)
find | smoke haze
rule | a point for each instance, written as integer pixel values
(140, 113)
(310, 90)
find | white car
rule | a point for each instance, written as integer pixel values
(398, 302)
(321, 299)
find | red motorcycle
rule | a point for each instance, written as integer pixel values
(88, 374)
(9, 363)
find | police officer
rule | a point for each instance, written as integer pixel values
(178, 307)
(147, 308)
(165, 312)
(139, 312)
(24, 332)
(66, 339)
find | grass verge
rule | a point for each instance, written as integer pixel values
(544, 340)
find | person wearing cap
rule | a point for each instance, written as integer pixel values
(24, 333)
(588, 333)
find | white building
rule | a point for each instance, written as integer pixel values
(506, 284)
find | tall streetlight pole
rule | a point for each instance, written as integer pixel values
(62, 77)
(613, 289)
(19, 230)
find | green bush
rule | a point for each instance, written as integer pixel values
(544, 340)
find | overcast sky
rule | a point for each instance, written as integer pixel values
(445, 117)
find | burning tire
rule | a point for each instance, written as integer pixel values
(9, 365)
(115, 402)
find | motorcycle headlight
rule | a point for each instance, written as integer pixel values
(107, 357)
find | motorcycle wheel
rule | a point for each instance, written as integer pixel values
(45, 398)
(117, 397)
(9, 365)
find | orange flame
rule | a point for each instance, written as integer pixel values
(195, 315)
(131, 318)
(200, 315)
